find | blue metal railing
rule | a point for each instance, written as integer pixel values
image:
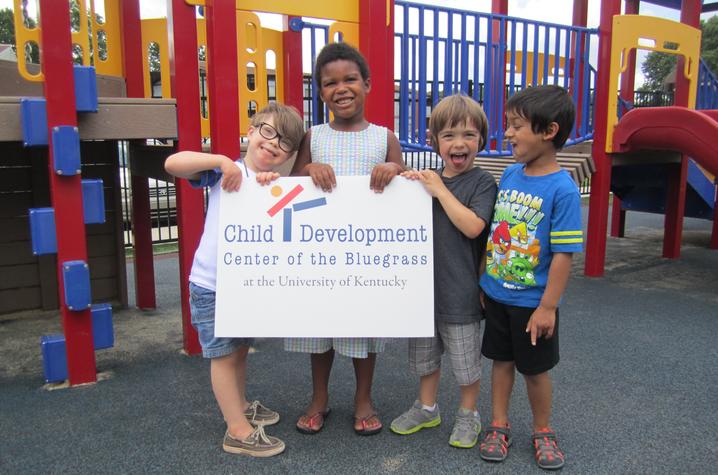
(707, 96)
(446, 51)
(453, 51)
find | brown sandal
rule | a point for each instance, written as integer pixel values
(315, 422)
(364, 423)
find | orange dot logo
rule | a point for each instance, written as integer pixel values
(276, 190)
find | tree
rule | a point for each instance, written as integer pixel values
(709, 43)
(655, 69)
(658, 66)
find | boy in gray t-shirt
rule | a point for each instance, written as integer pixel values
(463, 203)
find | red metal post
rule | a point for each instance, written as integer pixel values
(580, 18)
(184, 68)
(66, 191)
(498, 88)
(222, 77)
(292, 61)
(376, 42)
(141, 223)
(601, 179)
(676, 191)
(618, 214)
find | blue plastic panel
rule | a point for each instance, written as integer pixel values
(54, 358)
(42, 231)
(102, 332)
(76, 276)
(85, 89)
(93, 201)
(66, 150)
(33, 119)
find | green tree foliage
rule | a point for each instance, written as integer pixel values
(709, 44)
(657, 65)
(153, 57)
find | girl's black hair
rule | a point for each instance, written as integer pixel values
(335, 51)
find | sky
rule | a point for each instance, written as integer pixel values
(560, 11)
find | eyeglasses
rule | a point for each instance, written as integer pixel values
(269, 133)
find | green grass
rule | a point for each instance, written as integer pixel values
(161, 248)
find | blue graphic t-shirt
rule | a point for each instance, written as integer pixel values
(534, 217)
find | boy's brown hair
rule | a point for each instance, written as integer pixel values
(457, 110)
(286, 120)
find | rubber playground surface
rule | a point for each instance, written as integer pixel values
(635, 391)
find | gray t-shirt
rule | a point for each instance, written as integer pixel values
(456, 257)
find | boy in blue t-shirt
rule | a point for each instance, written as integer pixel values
(535, 230)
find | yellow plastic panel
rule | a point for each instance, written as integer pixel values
(82, 37)
(155, 31)
(349, 32)
(633, 32)
(342, 10)
(253, 42)
(25, 35)
(113, 65)
(202, 41)
(529, 74)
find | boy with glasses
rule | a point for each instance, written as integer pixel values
(274, 136)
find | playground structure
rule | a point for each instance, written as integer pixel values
(439, 50)
(644, 157)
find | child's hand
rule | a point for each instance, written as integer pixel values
(382, 174)
(265, 178)
(432, 182)
(231, 175)
(322, 176)
(541, 323)
(411, 174)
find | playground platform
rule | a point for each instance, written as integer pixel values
(635, 390)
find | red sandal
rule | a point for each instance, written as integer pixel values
(364, 425)
(315, 422)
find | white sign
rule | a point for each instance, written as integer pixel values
(294, 261)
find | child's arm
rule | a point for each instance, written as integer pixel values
(462, 217)
(383, 173)
(190, 165)
(543, 320)
(321, 173)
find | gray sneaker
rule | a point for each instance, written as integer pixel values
(257, 444)
(467, 427)
(258, 415)
(415, 419)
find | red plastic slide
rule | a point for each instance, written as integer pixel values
(692, 132)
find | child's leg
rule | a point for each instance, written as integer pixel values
(363, 408)
(321, 369)
(225, 384)
(312, 421)
(540, 392)
(502, 383)
(242, 382)
(470, 396)
(424, 361)
(429, 388)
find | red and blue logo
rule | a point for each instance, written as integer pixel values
(288, 210)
